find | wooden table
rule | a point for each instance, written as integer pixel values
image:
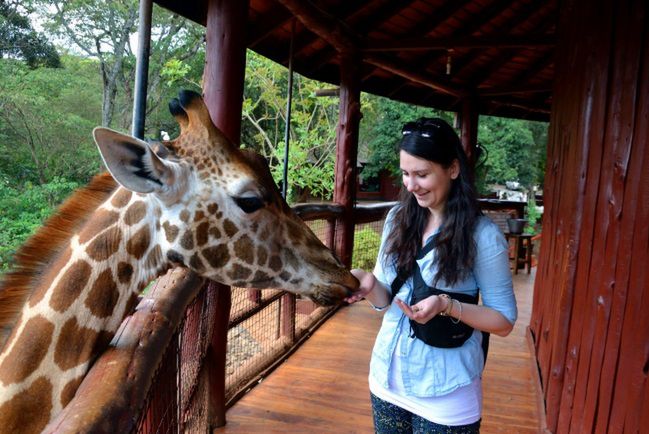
(522, 250)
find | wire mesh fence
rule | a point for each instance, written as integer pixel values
(264, 326)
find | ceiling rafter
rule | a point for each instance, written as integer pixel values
(468, 28)
(427, 26)
(362, 26)
(491, 41)
(258, 33)
(507, 55)
(529, 10)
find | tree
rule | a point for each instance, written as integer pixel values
(103, 31)
(313, 127)
(19, 40)
(46, 119)
(381, 131)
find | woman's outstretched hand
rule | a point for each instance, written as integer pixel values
(367, 282)
(423, 311)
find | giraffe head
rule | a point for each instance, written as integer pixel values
(219, 211)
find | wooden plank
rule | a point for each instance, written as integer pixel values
(627, 61)
(323, 386)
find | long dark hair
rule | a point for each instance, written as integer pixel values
(435, 140)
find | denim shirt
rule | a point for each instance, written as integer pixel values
(431, 371)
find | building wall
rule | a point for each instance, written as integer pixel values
(590, 319)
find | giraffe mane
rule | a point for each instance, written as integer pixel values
(44, 247)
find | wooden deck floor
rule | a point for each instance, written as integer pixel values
(322, 387)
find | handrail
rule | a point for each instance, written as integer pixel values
(114, 390)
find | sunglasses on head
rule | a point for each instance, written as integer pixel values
(424, 129)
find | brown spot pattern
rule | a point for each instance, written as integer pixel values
(47, 279)
(187, 241)
(77, 345)
(239, 273)
(285, 276)
(28, 411)
(121, 198)
(103, 296)
(135, 213)
(198, 216)
(275, 263)
(260, 276)
(262, 255)
(139, 243)
(295, 231)
(217, 256)
(28, 351)
(105, 245)
(243, 249)
(196, 263)
(69, 390)
(212, 208)
(215, 232)
(171, 231)
(229, 228)
(184, 215)
(101, 220)
(201, 233)
(124, 272)
(154, 258)
(70, 286)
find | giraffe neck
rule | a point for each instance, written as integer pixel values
(75, 310)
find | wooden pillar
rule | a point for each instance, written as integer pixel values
(223, 81)
(225, 64)
(469, 134)
(349, 117)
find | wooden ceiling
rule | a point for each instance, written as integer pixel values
(433, 53)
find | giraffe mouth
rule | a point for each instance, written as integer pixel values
(331, 295)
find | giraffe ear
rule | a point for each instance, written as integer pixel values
(132, 162)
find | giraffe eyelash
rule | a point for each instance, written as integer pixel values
(249, 204)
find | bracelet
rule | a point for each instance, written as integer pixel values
(378, 308)
(449, 305)
(453, 320)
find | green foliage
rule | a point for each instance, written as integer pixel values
(381, 131)
(20, 41)
(366, 248)
(515, 150)
(24, 209)
(46, 119)
(533, 216)
(313, 128)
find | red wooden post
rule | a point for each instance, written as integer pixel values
(469, 120)
(288, 316)
(216, 352)
(225, 64)
(223, 80)
(346, 152)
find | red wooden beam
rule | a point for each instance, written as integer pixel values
(493, 41)
(223, 88)
(346, 152)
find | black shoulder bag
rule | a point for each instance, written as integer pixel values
(440, 331)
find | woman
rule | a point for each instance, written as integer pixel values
(437, 253)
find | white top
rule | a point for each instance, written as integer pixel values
(463, 406)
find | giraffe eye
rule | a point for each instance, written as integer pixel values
(249, 204)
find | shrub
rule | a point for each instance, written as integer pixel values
(366, 248)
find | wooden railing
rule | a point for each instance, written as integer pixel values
(165, 370)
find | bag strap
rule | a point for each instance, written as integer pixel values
(401, 278)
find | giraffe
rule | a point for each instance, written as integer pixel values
(198, 202)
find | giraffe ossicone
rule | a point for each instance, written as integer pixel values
(197, 201)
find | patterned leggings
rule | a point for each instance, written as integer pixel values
(391, 419)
